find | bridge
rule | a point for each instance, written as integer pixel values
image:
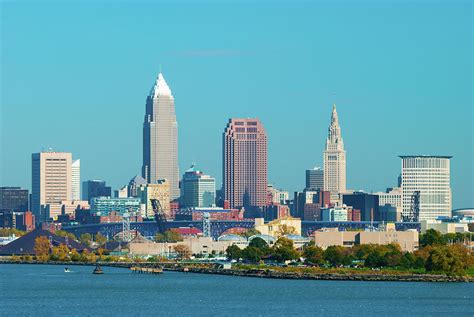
(218, 227)
(151, 228)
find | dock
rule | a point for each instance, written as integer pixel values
(146, 270)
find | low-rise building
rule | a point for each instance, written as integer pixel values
(408, 240)
(102, 206)
(444, 226)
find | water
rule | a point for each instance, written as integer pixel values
(45, 290)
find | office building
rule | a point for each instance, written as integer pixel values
(159, 190)
(103, 206)
(336, 213)
(13, 199)
(160, 137)
(368, 204)
(276, 196)
(133, 185)
(426, 186)
(121, 193)
(245, 164)
(315, 179)
(76, 180)
(390, 204)
(334, 159)
(51, 180)
(197, 189)
(95, 188)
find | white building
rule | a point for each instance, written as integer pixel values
(392, 197)
(76, 180)
(336, 213)
(50, 181)
(121, 193)
(430, 176)
(160, 137)
(334, 159)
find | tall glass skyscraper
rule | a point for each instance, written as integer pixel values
(245, 163)
(334, 159)
(197, 189)
(160, 137)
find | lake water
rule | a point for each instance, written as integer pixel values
(45, 290)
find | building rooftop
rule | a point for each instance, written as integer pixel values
(425, 156)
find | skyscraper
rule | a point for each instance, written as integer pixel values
(245, 163)
(51, 181)
(197, 189)
(334, 159)
(95, 188)
(430, 177)
(160, 137)
(76, 180)
(13, 199)
(315, 178)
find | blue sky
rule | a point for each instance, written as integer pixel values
(75, 77)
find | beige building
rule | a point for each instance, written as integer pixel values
(68, 207)
(277, 227)
(334, 160)
(444, 227)
(408, 240)
(196, 245)
(159, 190)
(51, 181)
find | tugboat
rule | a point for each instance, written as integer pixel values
(98, 270)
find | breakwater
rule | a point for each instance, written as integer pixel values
(268, 272)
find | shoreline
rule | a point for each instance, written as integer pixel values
(270, 273)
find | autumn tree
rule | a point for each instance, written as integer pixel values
(100, 239)
(285, 229)
(60, 253)
(313, 255)
(86, 239)
(169, 236)
(182, 251)
(42, 247)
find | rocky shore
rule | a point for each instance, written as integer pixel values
(270, 273)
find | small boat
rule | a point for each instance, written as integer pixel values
(66, 270)
(98, 270)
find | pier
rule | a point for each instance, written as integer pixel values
(146, 270)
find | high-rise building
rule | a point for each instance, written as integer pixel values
(134, 184)
(95, 188)
(276, 196)
(159, 190)
(197, 189)
(160, 137)
(51, 181)
(334, 159)
(76, 180)
(368, 204)
(245, 164)
(315, 178)
(13, 199)
(428, 177)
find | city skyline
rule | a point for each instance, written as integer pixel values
(398, 124)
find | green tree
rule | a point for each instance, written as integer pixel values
(85, 239)
(252, 254)
(313, 255)
(75, 256)
(234, 252)
(283, 250)
(432, 237)
(337, 255)
(63, 233)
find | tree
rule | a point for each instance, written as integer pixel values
(234, 252)
(86, 239)
(283, 250)
(42, 247)
(182, 251)
(337, 255)
(431, 237)
(250, 232)
(258, 243)
(6, 232)
(438, 260)
(63, 233)
(100, 239)
(252, 254)
(375, 259)
(169, 236)
(75, 257)
(313, 255)
(60, 253)
(285, 229)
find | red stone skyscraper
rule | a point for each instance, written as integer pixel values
(245, 163)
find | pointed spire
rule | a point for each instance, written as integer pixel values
(334, 118)
(160, 87)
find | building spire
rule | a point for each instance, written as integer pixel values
(160, 87)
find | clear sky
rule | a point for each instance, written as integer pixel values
(75, 77)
